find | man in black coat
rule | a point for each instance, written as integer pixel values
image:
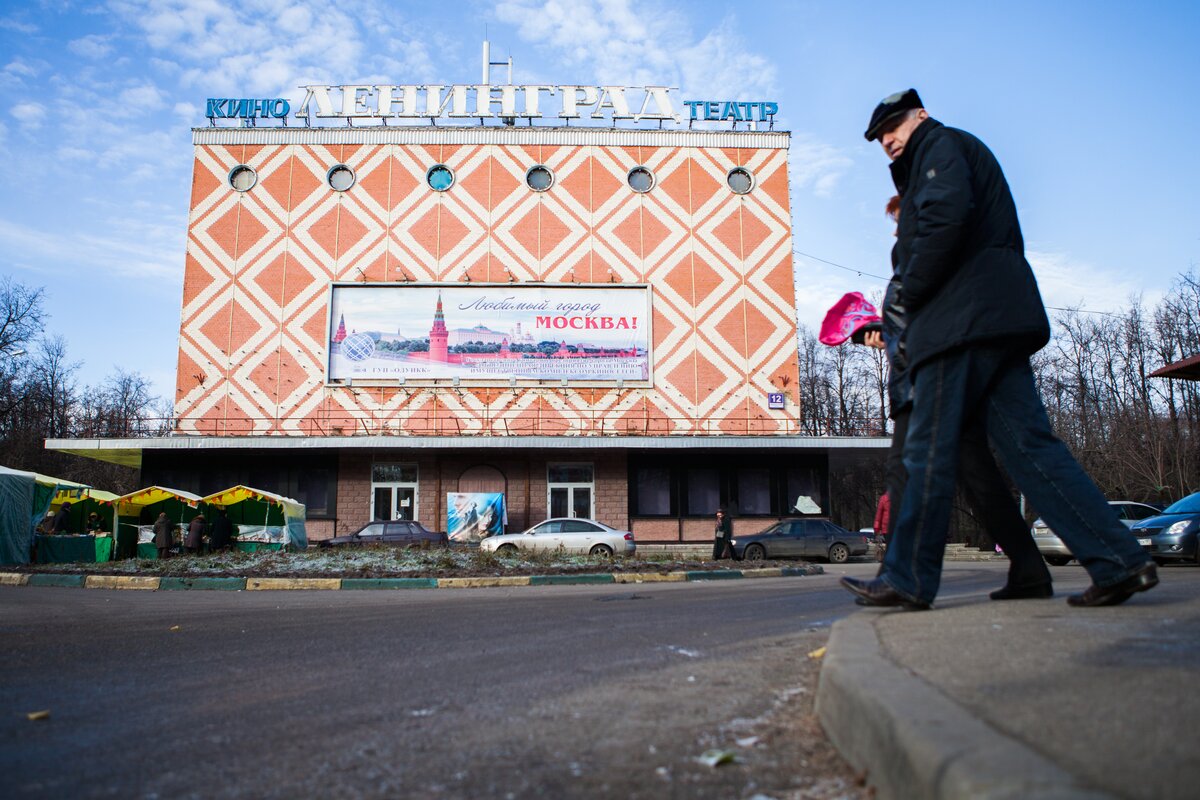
(222, 532)
(974, 317)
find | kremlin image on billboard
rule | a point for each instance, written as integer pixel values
(489, 332)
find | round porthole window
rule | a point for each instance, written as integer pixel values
(242, 178)
(641, 179)
(539, 178)
(340, 177)
(440, 178)
(740, 180)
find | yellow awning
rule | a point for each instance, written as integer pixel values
(150, 495)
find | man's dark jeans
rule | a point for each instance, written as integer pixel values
(987, 495)
(996, 388)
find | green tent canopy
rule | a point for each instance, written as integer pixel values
(138, 510)
(25, 498)
(263, 517)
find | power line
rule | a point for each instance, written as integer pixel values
(863, 273)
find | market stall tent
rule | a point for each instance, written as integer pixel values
(137, 511)
(25, 498)
(266, 518)
(83, 502)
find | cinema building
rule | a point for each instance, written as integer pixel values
(592, 321)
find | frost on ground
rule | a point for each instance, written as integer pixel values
(386, 562)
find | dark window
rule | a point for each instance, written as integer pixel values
(804, 495)
(652, 490)
(703, 491)
(754, 491)
(372, 530)
(570, 473)
(577, 526)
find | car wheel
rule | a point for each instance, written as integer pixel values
(506, 550)
(600, 551)
(755, 552)
(1057, 561)
(839, 554)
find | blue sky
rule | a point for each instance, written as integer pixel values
(1092, 109)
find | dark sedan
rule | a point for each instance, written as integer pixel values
(802, 538)
(1172, 535)
(394, 533)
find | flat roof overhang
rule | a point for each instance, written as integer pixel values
(1188, 369)
(128, 452)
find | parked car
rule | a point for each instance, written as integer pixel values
(571, 534)
(396, 533)
(1172, 535)
(802, 538)
(1056, 553)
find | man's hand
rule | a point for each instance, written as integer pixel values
(874, 339)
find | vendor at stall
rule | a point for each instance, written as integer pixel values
(61, 521)
(93, 525)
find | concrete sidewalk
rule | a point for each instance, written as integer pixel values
(1022, 699)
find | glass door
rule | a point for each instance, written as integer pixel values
(571, 490)
(394, 491)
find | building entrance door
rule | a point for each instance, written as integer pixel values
(571, 501)
(393, 491)
(571, 490)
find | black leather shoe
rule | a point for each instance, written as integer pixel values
(1143, 578)
(878, 593)
(1029, 591)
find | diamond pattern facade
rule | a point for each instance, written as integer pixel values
(259, 265)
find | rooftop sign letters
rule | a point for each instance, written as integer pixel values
(483, 101)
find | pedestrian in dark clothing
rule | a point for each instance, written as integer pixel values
(222, 532)
(723, 536)
(983, 486)
(974, 317)
(62, 521)
(194, 540)
(164, 532)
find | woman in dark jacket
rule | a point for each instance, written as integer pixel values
(163, 533)
(195, 535)
(723, 536)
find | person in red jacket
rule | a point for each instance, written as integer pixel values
(883, 516)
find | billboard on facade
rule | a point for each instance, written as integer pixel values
(471, 516)
(490, 332)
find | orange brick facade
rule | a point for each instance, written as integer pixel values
(259, 265)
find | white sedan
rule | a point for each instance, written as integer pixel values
(568, 534)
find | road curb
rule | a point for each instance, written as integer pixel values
(141, 582)
(176, 583)
(649, 577)
(481, 583)
(565, 580)
(913, 741)
(265, 584)
(389, 583)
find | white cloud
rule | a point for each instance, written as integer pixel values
(1068, 283)
(139, 99)
(18, 67)
(18, 26)
(93, 46)
(252, 49)
(648, 46)
(120, 254)
(816, 165)
(30, 115)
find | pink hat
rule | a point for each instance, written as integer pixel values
(845, 317)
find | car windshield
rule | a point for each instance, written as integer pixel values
(1188, 505)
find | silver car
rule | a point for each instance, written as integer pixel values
(568, 534)
(1056, 553)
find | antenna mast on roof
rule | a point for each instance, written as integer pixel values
(487, 70)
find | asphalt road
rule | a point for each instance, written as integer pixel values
(533, 691)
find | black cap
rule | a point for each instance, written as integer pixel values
(889, 107)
